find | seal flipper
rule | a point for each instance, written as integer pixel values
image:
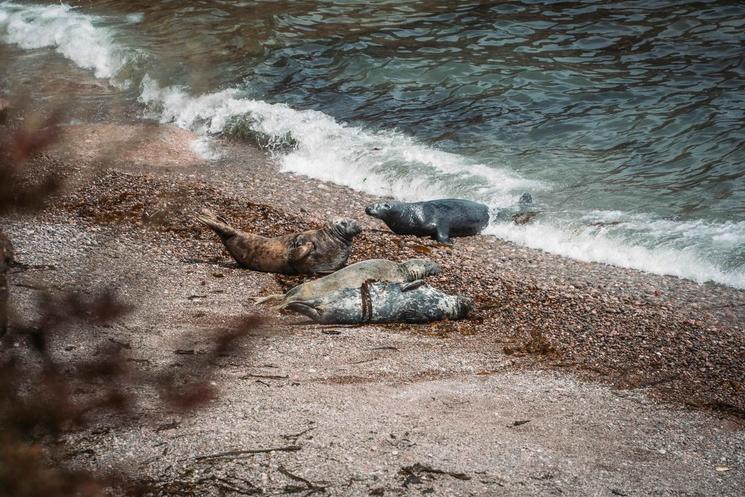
(269, 298)
(443, 236)
(412, 285)
(218, 224)
(300, 252)
(305, 309)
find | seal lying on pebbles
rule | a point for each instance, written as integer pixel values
(314, 251)
(439, 219)
(355, 275)
(384, 302)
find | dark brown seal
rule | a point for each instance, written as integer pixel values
(311, 252)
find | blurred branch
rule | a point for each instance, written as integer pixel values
(45, 394)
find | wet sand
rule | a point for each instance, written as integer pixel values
(630, 383)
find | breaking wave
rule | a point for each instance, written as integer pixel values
(61, 28)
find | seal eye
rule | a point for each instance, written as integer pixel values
(386, 205)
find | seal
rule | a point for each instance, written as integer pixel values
(384, 302)
(355, 275)
(439, 219)
(522, 213)
(310, 252)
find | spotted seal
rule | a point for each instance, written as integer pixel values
(316, 251)
(355, 275)
(439, 219)
(384, 302)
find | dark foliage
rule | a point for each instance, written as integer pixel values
(45, 394)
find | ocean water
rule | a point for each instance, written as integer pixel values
(625, 120)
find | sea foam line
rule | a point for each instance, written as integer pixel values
(631, 249)
(379, 162)
(70, 33)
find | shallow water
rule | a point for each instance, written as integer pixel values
(626, 121)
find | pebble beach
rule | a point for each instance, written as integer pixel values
(563, 369)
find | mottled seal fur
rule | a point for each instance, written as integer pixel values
(384, 302)
(314, 251)
(439, 219)
(355, 275)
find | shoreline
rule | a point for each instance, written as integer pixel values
(509, 282)
(550, 339)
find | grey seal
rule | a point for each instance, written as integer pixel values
(310, 252)
(355, 275)
(439, 219)
(522, 213)
(384, 302)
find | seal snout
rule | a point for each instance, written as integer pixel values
(347, 228)
(463, 306)
(378, 210)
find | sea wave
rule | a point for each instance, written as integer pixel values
(693, 250)
(379, 162)
(61, 27)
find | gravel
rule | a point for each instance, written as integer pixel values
(583, 352)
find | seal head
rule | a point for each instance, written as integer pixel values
(385, 211)
(345, 229)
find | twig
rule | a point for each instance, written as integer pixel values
(295, 436)
(311, 486)
(265, 376)
(231, 453)
(21, 267)
(30, 287)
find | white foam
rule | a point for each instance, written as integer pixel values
(204, 149)
(70, 33)
(379, 162)
(135, 17)
(390, 163)
(682, 249)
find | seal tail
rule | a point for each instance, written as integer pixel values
(274, 299)
(217, 223)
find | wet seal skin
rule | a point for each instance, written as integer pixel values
(316, 251)
(355, 275)
(384, 302)
(439, 219)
